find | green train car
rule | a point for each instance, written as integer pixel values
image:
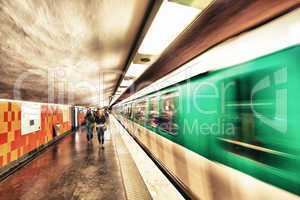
(230, 133)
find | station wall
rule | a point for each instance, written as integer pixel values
(14, 144)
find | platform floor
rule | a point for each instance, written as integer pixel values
(71, 169)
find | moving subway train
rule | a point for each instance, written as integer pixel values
(226, 124)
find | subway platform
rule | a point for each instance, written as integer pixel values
(74, 169)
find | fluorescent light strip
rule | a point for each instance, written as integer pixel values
(126, 82)
(135, 70)
(274, 36)
(171, 19)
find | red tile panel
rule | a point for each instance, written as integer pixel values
(6, 116)
(3, 138)
(12, 143)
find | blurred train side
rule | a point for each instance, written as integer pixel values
(230, 133)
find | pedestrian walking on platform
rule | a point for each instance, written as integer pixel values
(90, 122)
(100, 125)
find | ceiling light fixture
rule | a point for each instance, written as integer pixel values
(171, 19)
(135, 70)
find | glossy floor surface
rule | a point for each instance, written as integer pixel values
(70, 169)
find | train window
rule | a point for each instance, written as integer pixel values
(126, 110)
(153, 112)
(238, 114)
(167, 119)
(249, 136)
(133, 111)
(131, 116)
(140, 112)
(129, 110)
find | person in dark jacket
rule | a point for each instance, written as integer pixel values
(90, 121)
(100, 125)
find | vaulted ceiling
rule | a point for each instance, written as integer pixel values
(66, 51)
